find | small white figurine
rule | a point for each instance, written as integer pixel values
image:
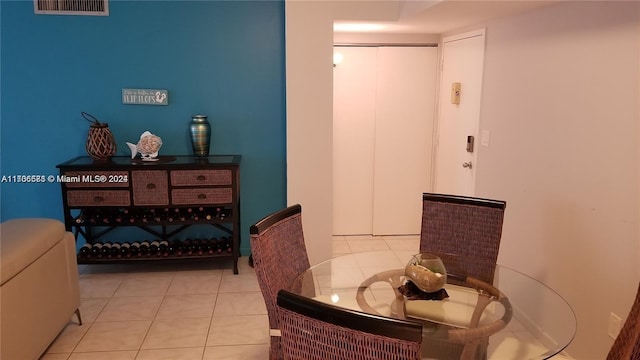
(148, 147)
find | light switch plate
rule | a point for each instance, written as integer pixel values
(484, 138)
(456, 89)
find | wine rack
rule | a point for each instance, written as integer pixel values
(156, 249)
(158, 216)
(163, 198)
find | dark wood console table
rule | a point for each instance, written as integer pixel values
(162, 197)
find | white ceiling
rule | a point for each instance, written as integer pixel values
(441, 16)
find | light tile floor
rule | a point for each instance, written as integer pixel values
(180, 311)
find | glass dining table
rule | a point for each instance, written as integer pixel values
(512, 317)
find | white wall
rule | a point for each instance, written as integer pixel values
(309, 54)
(309, 31)
(561, 102)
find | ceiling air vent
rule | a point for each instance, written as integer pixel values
(71, 7)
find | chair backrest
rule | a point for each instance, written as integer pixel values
(467, 227)
(279, 256)
(314, 330)
(627, 344)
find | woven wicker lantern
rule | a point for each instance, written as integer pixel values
(100, 142)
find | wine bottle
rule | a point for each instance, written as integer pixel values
(194, 246)
(163, 248)
(105, 217)
(213, 242)
(115, 250)
(134, 249)
(207, 246)
(117, 217)
(154, 215)
(125, 250)
(199, 248)
(93, 216)
(213, 246)
(227, 244)
(179, 247)
(85, 250)
(144, 248)
(105, 251)
(163, 215)
(96, 249)
(219, 246)
(130, 216)
(207, 214)
(154, 247)
(80, 219)
(197, 213)
(188, 247)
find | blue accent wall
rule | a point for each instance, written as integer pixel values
(224, 59)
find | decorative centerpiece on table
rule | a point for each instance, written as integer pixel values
(426, 277)
(148, 147)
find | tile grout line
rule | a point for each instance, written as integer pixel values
(164, 296)
(87, 271)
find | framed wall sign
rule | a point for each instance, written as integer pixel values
(145, 97)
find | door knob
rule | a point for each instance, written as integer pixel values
(468, 164)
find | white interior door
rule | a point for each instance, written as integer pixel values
(405, 107)
(354, 96)
(462, 63)
(384, 101)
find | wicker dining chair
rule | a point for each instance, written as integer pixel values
(314, 330)
(627, 344)
(279, 256)
(464, 231)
